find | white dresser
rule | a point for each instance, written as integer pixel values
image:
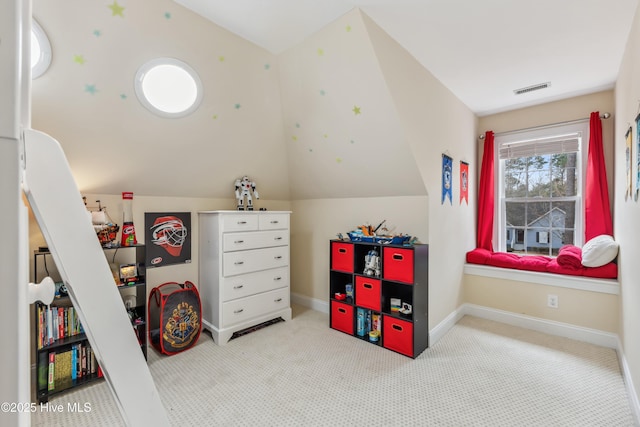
(243, 269)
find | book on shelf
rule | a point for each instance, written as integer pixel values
(52, 366)
(55, 323)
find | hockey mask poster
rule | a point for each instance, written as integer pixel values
(168, 238)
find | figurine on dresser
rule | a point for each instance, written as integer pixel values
(244, 188)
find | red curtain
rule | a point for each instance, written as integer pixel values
(486, 196)
(597, 213)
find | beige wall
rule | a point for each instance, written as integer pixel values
(627, 212)
(315, 222)
(576, 307)
(114, 144)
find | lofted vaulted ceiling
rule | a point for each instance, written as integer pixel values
(481, 50)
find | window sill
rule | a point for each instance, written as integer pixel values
(606, 286)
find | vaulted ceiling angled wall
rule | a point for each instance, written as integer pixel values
(86, 100)
(343, 134)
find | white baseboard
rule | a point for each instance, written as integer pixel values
(628, 382)
(593, 336)
(312, 303)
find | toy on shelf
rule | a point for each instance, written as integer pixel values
(244, 187)
(379, 234)
(372, 263)
(103, 225)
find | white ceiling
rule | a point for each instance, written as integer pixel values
(480, 49)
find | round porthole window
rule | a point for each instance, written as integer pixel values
(40, 51)
(168, 87)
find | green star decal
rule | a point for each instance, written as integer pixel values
(215, 117)
(348, 28)
(320, 52)
(90, 89)
(297, 125)
(221, 58)
(356, 110)
(267, 66)
(116, 9)
(295, 138)
(322, 92)
(97, 33)
(123, 96)
(79, 59)
(338, 160)
(237, 106)
(167, 15)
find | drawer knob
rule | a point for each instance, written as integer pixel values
(237, 242)
(277, 238)
(277, 300)
(238, 311)
(277, 257)
(238, 287)
(274, 222)
(277, 278)
(239, 262)
(242, 222)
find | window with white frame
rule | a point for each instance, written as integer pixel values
(540, 178)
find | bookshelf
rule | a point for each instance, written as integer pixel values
(64, 358)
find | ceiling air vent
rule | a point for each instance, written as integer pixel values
(531, 88)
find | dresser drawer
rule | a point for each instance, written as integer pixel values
(254, 240)
(241, 262)
(273, 221)
(243, 285)
(239, 222)
(257, 305)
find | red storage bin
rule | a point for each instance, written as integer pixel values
(397, 335)
(342, 317)
(368, 293)
(397, 264)
(342, 257)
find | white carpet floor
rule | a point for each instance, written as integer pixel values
(302, 373)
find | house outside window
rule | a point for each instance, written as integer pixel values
(540, 188)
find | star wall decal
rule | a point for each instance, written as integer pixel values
(295, 138)
(123, 96)
(320, 52)
(90, 89)
(215, 117)
(221, 58)
(79, 59)
(237, 106)
(97, 33)
(167, 15)
(348, 28)
(116, 9)
(356, 110)
(322, 92)
(338, 160)
(267, 66)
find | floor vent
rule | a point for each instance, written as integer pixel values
(532, 88)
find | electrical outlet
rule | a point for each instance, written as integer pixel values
(552, 301)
